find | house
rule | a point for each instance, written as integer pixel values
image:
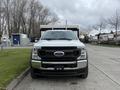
(117, 39)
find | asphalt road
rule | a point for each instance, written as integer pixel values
(104, 74)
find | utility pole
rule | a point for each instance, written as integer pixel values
(117, 22)
(66, 24)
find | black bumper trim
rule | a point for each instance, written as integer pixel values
(59, 72)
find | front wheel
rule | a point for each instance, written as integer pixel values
(33, 75)
(85, 75)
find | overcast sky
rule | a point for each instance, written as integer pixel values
(83, 12)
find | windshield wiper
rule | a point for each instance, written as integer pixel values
(64, 39)
(56, 39)
(48, 39)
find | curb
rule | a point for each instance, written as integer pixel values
(17, 80)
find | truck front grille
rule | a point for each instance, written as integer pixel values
(70, 53)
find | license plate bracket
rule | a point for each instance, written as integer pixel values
(59, 67)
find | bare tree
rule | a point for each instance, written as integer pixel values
(0, 13)
(0, 20)
(2, 17)
(7, 13)
(47, 17)
(18, 17)
(32, 10)
(100, 25)
(24, 16)
(39, 15)
(115, 22)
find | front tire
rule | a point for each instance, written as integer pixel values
(33, 75)
(85, 75)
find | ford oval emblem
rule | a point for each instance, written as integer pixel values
(59, 53)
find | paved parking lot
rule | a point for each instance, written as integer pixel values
(104, 74)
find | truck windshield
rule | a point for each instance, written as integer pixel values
(59, 35)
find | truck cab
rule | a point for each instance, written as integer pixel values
(59, 53)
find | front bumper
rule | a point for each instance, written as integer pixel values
(38, 64)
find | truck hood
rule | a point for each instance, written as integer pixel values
(57, 43)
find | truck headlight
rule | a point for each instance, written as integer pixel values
(83, 55)
(35, 54)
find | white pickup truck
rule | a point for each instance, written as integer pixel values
(59, 53)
